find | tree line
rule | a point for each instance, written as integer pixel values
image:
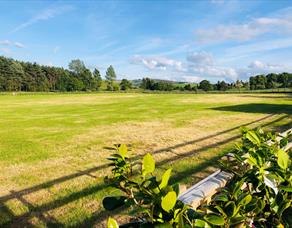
(25, 76)
(258, 82)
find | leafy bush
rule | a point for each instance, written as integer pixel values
(155, 198)
(259, 195)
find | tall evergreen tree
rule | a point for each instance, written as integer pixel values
(97, 79)
(110, 76)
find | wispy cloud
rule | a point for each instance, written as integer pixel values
(245, 50)
(11, 43)
(265, 67)
(18, 44)
(5, 42)
(200, 58)
(190, 78)
(43, 16)
(200, 64)
(280, 24)
(156, 62)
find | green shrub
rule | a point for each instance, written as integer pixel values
(259, 195)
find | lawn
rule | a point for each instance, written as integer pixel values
(53, 147)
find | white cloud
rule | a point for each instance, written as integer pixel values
(5, 42)
(18, 44)
(261, 66)
(246, 31)
(214, 72)
(200, 58)
(43, 16)
(203, 64)
(258, 67)
(193, 79)
(10, 43)
(199, 65)
(156, 62)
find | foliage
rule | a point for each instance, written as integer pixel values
(259, 195)
(125, 84)
(151, 84)
(97, 78)
(110, 76)
(263, 172)
(155, 198)
(205, 85)
(25, 76)
(271, 81)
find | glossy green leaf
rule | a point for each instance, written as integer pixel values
(112, 223)
(148, 165)
(244, 199)
(214, 219)
(283, 159)
(200, 223)
(168, 201)
(113, 202)
(237, 220)
(252, 137)
(165, 179)
(221, 197)
(230, 208)
(285, 188)
(123, 150)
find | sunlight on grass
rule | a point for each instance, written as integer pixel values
(53, 145)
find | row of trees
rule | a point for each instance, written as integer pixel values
(25, 76)
(151, 84)
(271, 81)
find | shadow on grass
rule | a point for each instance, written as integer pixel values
(285, 96)
(258, 108)
(41, 211)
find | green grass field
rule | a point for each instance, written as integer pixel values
(53, 146)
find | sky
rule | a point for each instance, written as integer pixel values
(171, 40)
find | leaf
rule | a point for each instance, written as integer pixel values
(221, 211)
(285, 188)
(244, 199)
(175, 188)
(113, 202)
(165, 178)
(221, 197)
(252, 137)
(236, 220)
(230, 209)
(111, 223)
(214, 219)
(148, 165)
(272, 183)
(250, 160)
(168, 201)
(283, 159)
(200, 223)
(123, 150)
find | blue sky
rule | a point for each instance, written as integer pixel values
(174, 40)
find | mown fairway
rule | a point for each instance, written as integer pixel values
(53, 146)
